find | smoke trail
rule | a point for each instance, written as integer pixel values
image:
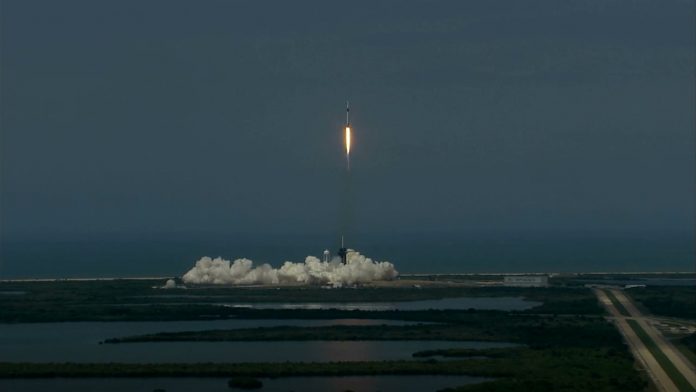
(347, 194)
(357, 270)
(347, 208)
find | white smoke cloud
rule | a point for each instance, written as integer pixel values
(357, 269)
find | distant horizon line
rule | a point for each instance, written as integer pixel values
(95, 279)
(222, 234)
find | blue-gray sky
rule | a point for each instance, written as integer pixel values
(224, 117)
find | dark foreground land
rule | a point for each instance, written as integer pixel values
(143, 300)
(566, 369)
(565, 344)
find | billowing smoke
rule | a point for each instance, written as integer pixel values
(357, 269)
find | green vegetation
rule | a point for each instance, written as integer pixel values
(534, 330)
(670, 301)
(562, 369)
(244, 383)
(140, 300)
(617, 304)
(669, 368)
(687, 345)
(564, 344)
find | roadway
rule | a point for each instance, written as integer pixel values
(685, 367)
(661, 380)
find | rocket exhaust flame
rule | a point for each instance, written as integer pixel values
(348, 135)
(348, 144)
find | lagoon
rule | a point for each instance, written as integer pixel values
(459, 303)
(305, 384)
(79, 342)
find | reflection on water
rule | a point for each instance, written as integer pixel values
(306, 384)
(179, 352)
(88, 332)
(7, 292)
(368, 383)
(494, 303)
(79, 342)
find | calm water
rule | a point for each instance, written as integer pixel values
(496, 303)
(94, 332)
(79, 342)
(306, 384)
(6, 292)
(645, 281)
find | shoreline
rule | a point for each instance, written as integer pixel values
(411, 275)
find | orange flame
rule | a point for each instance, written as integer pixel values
(347, 140)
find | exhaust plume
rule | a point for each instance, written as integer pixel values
(358, 269)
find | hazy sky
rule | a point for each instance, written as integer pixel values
(225, 116)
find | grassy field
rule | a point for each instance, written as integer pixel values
(670, 301)
(619, 306)
(687, 345)
(664, 362)
(686, 351)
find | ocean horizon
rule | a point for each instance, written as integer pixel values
(131, 256)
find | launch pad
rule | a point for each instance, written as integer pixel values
(343, 253)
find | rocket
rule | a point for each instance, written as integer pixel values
(343, 251)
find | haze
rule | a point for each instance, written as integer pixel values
(215, 119)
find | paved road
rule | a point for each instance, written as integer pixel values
(685, 367)
(661, 380)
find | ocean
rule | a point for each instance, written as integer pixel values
(122, 256)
